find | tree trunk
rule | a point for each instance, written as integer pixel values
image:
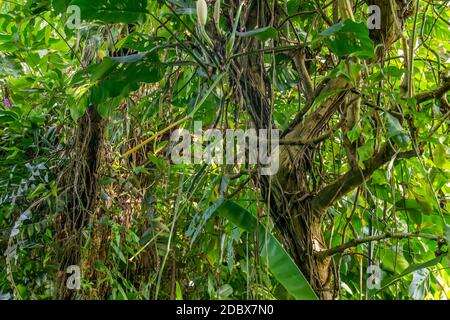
(79, 180)
(297, 204)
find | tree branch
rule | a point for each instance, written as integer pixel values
(306, 126)
(314, 140)
(299, 60)
(433, 94)
(389, 235)
(354, 177)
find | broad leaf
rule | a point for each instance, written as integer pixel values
(262, 34)
(349, 38)
(409, 270)
(280, 263)
(112, 11)
(396, 131)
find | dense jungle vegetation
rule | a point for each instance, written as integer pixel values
(92, 90)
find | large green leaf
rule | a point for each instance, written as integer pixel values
(279, 262)
(60, 5)
(396, 131)
(349, 38)
(112, 11)
(262, 34)
(393, 261)
(411, 207)
(412, 268)
(137, 41)
(115, 78)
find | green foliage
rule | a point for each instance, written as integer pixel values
(261, 34)
(144, 66)
(112, 11)
(272, 252)
(396, 132)
(349, 38)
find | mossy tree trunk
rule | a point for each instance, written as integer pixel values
(79, 180)
(297, 203)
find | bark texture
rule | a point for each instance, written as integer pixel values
(79, 181)
(298, 204)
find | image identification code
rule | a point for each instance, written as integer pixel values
(226, 309)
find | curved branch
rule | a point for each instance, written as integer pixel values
(389, 235)
(354, 177)
(299, 60)
(433, 94)
(312, 141)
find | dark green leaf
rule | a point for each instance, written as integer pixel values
(280, 263)
(349, 38)
(112, 11)
(262, 34)
(396, 131)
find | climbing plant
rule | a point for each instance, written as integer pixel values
(94, 91)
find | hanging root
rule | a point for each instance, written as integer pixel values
(79, 182)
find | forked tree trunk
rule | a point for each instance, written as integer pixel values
(297, 208)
